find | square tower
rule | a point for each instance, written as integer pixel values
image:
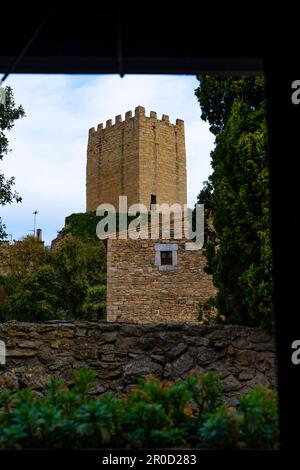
(141, 157)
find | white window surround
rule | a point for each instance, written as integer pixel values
(165, 247)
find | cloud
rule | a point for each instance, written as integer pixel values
(48, 155)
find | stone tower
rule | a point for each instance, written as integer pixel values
(141, 157)
(148, 280)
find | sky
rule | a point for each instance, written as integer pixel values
(48, 146)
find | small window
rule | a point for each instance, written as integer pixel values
(153, 199)
(166, 258)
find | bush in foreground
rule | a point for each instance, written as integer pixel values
(154, 414)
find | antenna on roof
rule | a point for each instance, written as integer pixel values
(34, 221)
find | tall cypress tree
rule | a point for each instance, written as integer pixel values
(236, 198)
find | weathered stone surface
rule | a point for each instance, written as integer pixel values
(205, 356)
(196, 340)
(158, 358)
(139, 292)
(109, 337)
(109, 373)
(247, 374)
(231, 384)
(8, 380)
(122, 353)
(120, 155)
(141, 367)
(29, 344)
(183, 364)
(34, 377)
(245, 357)
(176, 351)
(21, 352)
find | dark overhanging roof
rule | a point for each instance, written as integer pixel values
(155, 39)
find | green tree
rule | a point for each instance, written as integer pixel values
(9, 113)
(64, 283)
(79, 264)
(82, 227)
(236, 197)
(70, 263)
(95, 254)
(36, 297)
(22, 257)
(94, 307)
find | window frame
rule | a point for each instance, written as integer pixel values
(159, 247)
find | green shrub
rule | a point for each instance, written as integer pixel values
(220, 430)
(8, 282)
(94, 307)
(154, 414)
(258, 414)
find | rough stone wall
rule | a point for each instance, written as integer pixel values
(136, 157)
(137, 291)
(122, 353)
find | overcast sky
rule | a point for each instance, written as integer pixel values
(48, 146)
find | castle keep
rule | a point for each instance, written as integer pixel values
(147, 280)
(141, 157)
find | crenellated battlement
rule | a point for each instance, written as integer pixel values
(138, 155)
(139, 113)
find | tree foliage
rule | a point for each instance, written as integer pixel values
(94, 307)
(9, 113)
(80, 265)
(236, 198)
(22, 257)
(62, 283)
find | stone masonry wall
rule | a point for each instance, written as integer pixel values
(137, 291)
(122, 353)
(136, 157)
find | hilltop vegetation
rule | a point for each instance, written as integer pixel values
(67, 282)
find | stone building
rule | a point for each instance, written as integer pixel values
(141, 288)
(148, 280)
